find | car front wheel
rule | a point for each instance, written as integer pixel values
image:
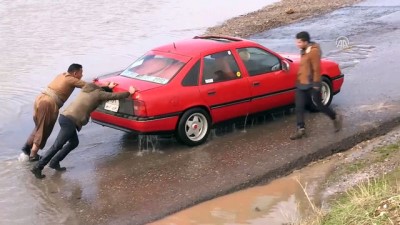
(194, 127)
(326, 94)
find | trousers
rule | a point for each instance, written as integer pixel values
(66, 141)
(303, 97)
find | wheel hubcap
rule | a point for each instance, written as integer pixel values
(325, 93)
(196, 126)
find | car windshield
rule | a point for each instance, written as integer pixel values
(154, 68)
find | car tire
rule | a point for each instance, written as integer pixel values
(194, 127)
(326, 94)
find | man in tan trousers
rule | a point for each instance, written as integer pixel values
(47, 105)
(71, 121)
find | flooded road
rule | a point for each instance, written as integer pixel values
(117, 178)
(39, 39)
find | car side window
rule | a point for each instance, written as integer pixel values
(192, 77)
(258, 61)
(220, 67)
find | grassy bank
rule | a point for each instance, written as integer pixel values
(275, 15)
(375, 201)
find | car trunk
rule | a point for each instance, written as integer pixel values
(123, 107)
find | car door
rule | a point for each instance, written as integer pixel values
(270, 85)
(223, 86)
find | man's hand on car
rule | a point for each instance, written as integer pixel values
(132, 90)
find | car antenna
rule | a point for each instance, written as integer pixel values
(174, 46)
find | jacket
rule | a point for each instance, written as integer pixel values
(90, 97)
(309, 74)
(62, 87)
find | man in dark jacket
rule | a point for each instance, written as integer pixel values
(71, 120)
(309, 84)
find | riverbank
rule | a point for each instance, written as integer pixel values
(376, 201)
(364, 185)
(279, 14)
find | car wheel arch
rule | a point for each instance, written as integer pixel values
(328, 78)
(205, 108)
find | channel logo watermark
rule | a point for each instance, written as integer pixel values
(342, 42)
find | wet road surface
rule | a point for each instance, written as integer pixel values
(122, 179)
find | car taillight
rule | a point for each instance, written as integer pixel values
(139, 108)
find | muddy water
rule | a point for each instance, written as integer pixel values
(39, 39)
(283, 201)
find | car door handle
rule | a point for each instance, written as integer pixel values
(211, 92)
(256, 83)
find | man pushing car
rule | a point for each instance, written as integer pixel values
(71, 120)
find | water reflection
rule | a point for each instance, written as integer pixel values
(283, 201)
(276, 203)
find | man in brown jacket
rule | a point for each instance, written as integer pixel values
(309, 84)
(46, 108)
(72, 119)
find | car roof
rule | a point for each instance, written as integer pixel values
(203, 44)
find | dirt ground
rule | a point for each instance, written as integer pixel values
(363, 164)
(369, 159)
(275, 15)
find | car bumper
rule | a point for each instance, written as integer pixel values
(137, 125)
(337, 83)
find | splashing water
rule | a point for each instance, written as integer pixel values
(245, 122)
(213, 134)
(23, 158)
(148, 143)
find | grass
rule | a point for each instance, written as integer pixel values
(381, 155)
(317, 213)
(386, 151)
(354, 167)
(376, 201)
(347, 168)
(360, 204)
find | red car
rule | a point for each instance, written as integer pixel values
(188, 86)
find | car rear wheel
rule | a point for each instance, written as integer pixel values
(194, 127)
(326, 94)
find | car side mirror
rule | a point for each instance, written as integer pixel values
(285, 66)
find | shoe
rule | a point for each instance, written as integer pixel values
(26, 150)
(57, 167)
(38, 173)
(300, 133)
(337, 122)
(34, 158)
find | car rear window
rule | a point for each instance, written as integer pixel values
(154, 68)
